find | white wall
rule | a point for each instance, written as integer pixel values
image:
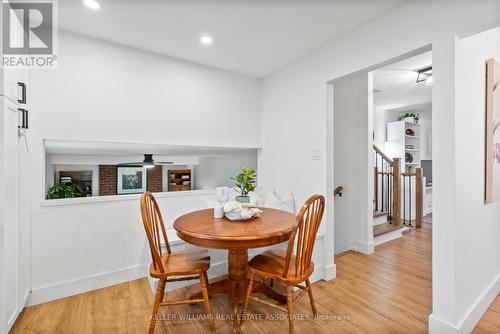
(353, 105)
(298, 97)
(217, 171)
(80, 246)
(478, 224)
(380, 127)
(104, 92)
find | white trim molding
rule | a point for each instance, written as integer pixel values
(115, 198)
(330, 272)
(80, 285)
(85, 284)
(364, 247)
(438, 326)
(472, 316)
(480, 306)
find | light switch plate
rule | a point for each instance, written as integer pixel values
(315, 154)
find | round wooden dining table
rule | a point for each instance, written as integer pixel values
(200, 228)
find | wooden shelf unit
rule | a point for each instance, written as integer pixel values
(396, 134)
(179, 180)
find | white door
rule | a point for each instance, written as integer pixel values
(15, 245)
(10, 215)
(24, 221)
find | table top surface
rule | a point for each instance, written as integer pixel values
(201, 227)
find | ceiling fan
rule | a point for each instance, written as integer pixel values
(148, 162)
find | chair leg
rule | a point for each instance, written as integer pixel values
(162, 292)
(289, 301)
(158, 298)
(247, 298)
(208, 311)
(311, 299)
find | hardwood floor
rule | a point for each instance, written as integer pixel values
(490, 322)
(388, 292)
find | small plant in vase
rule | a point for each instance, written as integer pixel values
(245, 183)
(410, 117)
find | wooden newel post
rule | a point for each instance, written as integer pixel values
(396, 193)
(419, 198)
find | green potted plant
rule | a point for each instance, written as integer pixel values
(245, 183)
(410, 117)
(63, 190)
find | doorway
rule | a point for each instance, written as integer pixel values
(364, 103)
(402, 138)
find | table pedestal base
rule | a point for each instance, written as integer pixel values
(235, 286)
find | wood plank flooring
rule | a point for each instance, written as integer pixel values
(490, 322)
(388, 292)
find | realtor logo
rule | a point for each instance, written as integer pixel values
(28, 34)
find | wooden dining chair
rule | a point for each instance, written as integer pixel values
(190, 265)
(284, 266)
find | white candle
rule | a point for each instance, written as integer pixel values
(219, 211)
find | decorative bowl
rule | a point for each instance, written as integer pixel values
(236, 216)
(236, 211)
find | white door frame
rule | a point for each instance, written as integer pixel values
(330, 154)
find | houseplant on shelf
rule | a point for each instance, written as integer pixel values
(410, 117)
(245, 183)
(63, 190)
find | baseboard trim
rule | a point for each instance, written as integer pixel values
(85, 284)
(330, 272)
(219, 269)
(476, 311)
(472, 316)
(73, 287)
(439, 326)
(12, 320)
(362, 247)
(20, 308)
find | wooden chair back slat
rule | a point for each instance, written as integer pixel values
(155, 229)
(304, 235)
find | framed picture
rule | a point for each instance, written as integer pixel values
(131, 180)
(492, 131)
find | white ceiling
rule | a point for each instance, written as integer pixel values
(120, 149)
(251, 37)
(397, 83)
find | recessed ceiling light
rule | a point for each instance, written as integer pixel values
(206, 40)
(92, 4)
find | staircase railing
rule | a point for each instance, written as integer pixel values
(384, 184)
(399, 195)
